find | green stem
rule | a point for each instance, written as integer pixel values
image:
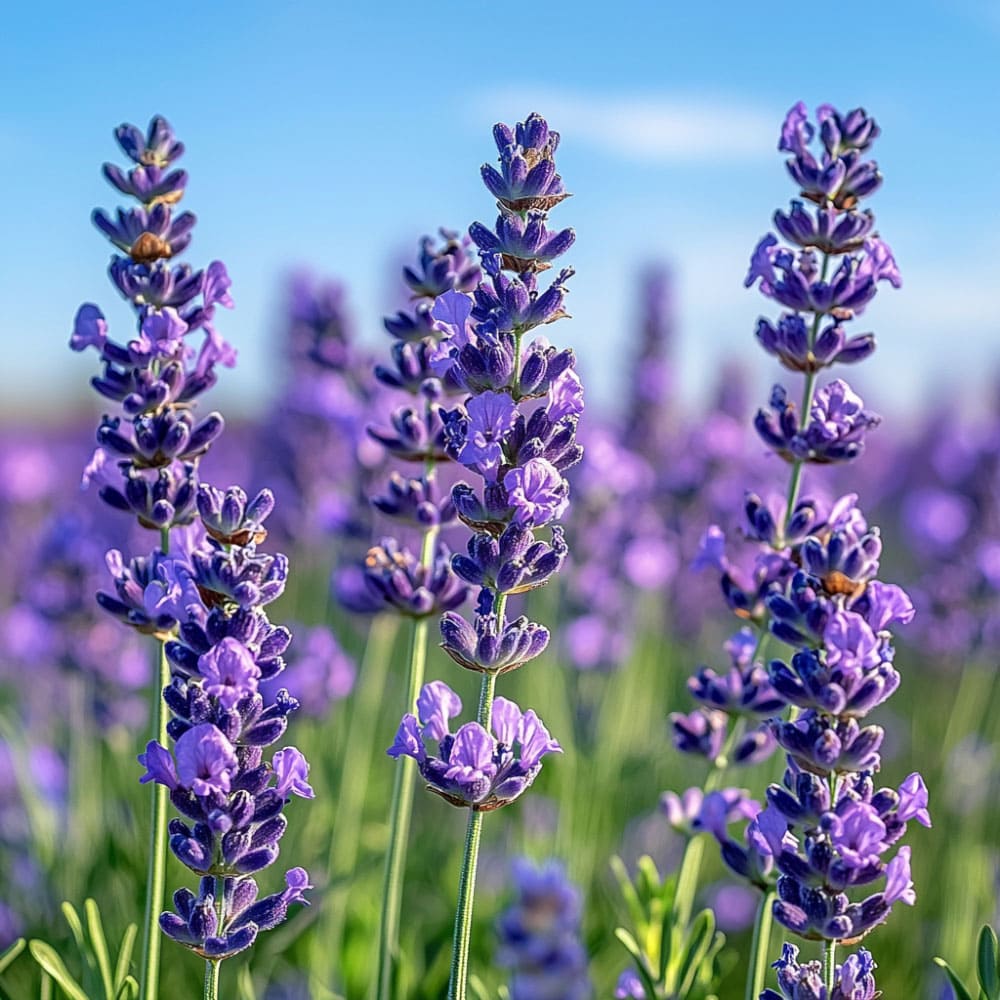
(402, 799)
(829, 966)
(399, 828)
(760, 946)
(687, 879)
(345, 841)
(516, 377)
(807, 397)
(470, 858)
(156, 872)
(211, 979)
(690, 868)
(463, 913)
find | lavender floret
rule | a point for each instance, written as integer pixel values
(473, 767)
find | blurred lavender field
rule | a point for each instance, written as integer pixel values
(633, 619)
(666, 695)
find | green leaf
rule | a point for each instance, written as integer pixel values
(635, 908)
(649, 877)
(699, 942)
(478, 988)
(961, 993)
(99, 945)
(667, 936)
(642, 966)
(245, 988)
(75, 925)
(8, 956)
(48, 958)
(125, 958)
(989, 973)
(128, 989)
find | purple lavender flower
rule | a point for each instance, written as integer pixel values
(540, 936)
(630, 986)
(473, 767)
(291, 770)
(205, 599)
(745, 690)
(834, 432)
(523, 243)
(444, 269)
(206, 761)
(854, 979)
(492, 645)
(537, 492)
(528, 177)
(395, 577)
(228, 672)
(197, 925)
(826, 832)
(491, 416)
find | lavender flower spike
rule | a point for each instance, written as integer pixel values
(520, 451)
(540, 936)
(203, 597)
(826, 835)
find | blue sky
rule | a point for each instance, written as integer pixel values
(328, 135)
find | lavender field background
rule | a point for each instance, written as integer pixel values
(327, 152)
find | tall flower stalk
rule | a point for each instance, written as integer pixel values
(812, 584)
(517, 431)
(201, 593)
(415, 586)
(148, 453)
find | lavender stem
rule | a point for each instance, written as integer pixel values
(829, 965)
(402, 797)
(470, 859)
(690, 868)
(156, 873)
(760, 946)
(463, 913)
(345, 843)
(807, 397)
(211, 980)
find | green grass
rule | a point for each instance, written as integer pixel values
(583, 808)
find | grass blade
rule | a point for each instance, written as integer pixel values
(48, 958)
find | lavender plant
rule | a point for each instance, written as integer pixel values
(316, 452)
(201, 594)
(987, 968)
(618, 538)
(826, 829)
(520, 449)
(413, 585)
(539, 936)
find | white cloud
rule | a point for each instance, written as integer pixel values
(654, 128)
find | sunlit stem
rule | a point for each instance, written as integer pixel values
(808, 391)
(760, 946)
(829, 966)
(402, 795)
(345, 843)
(157, 860)
(690, 868)
(458, 979)
(212, 965)
(211, 979)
